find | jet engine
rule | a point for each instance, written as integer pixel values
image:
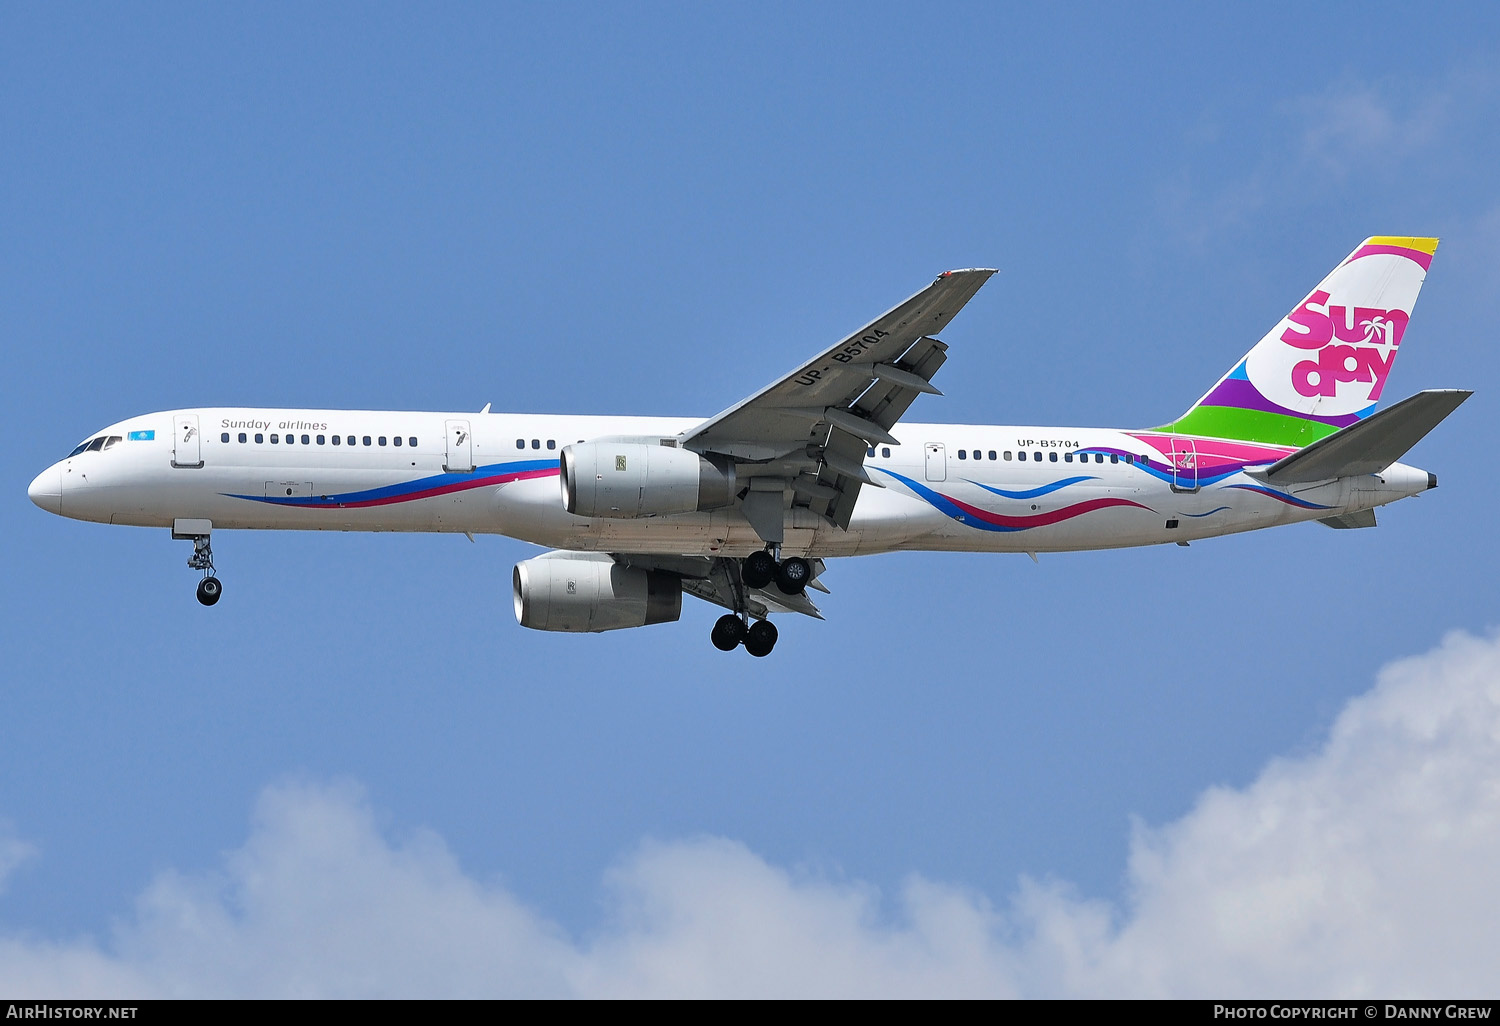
(635, 479)
(581, 592)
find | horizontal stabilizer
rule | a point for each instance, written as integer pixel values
(1370, 445)
(1347, 521)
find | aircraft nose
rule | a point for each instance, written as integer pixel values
(46, 490)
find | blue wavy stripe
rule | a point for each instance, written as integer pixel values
(396, 491)
(1164, 471)
(1032, 493)
(1208, 514)
(946, 506)
(1290, 500)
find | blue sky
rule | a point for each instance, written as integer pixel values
(656, 210)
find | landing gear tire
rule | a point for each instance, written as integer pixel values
(793, 574)
(728, 632)
(209, 590)
(758, 570)
(760, 638)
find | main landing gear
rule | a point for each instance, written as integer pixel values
(756, 570)
(730, 632)
(197, 531)
(761, 568)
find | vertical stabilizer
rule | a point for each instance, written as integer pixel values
(1323, 366)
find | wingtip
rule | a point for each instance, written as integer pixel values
(986, 271)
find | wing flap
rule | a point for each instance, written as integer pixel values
(708, 579)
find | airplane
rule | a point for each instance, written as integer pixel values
(744, 509)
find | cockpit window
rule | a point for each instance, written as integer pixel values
(94, 445)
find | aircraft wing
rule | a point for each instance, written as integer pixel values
(811, 429)
(715, 580)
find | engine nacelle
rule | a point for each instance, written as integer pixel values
(636, 479)
(590, 594)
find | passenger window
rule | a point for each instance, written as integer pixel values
(322, 439)
(381, 439)
(412, 441)
(367, 439)
(1052, 455)
(552, 443)
(305, 440)
(224, 437)
(291, 439)
(350, 440)
(1114, 457)
(242, 438)
(960, 454)
(1007, 455)
(337, 439)
(870, 451)
(536, 443)
(1098, 457)
(275, 439)
(520, 443)
(992, 454)
(260, 439)
(1067, 457)
(886, 452)
(397, 440)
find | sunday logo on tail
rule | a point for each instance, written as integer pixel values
(1324, 365)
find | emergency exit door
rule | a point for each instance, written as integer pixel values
(937, 461)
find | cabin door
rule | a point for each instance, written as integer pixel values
(1184, 465)
(460, 458)
(187, 445)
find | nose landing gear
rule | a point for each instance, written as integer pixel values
(209, 590)
(197, 531)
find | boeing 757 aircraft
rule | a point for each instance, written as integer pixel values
(743, 509)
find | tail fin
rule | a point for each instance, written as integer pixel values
(1324, 365)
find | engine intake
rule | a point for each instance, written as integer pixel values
(622, 480)
(585, 593)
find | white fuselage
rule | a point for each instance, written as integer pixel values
(1075, 488)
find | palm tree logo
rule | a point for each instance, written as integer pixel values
(1377, 330)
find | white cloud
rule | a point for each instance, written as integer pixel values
(1365, 868)
(13, 852)
(1355, 128)
(1389, 130)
